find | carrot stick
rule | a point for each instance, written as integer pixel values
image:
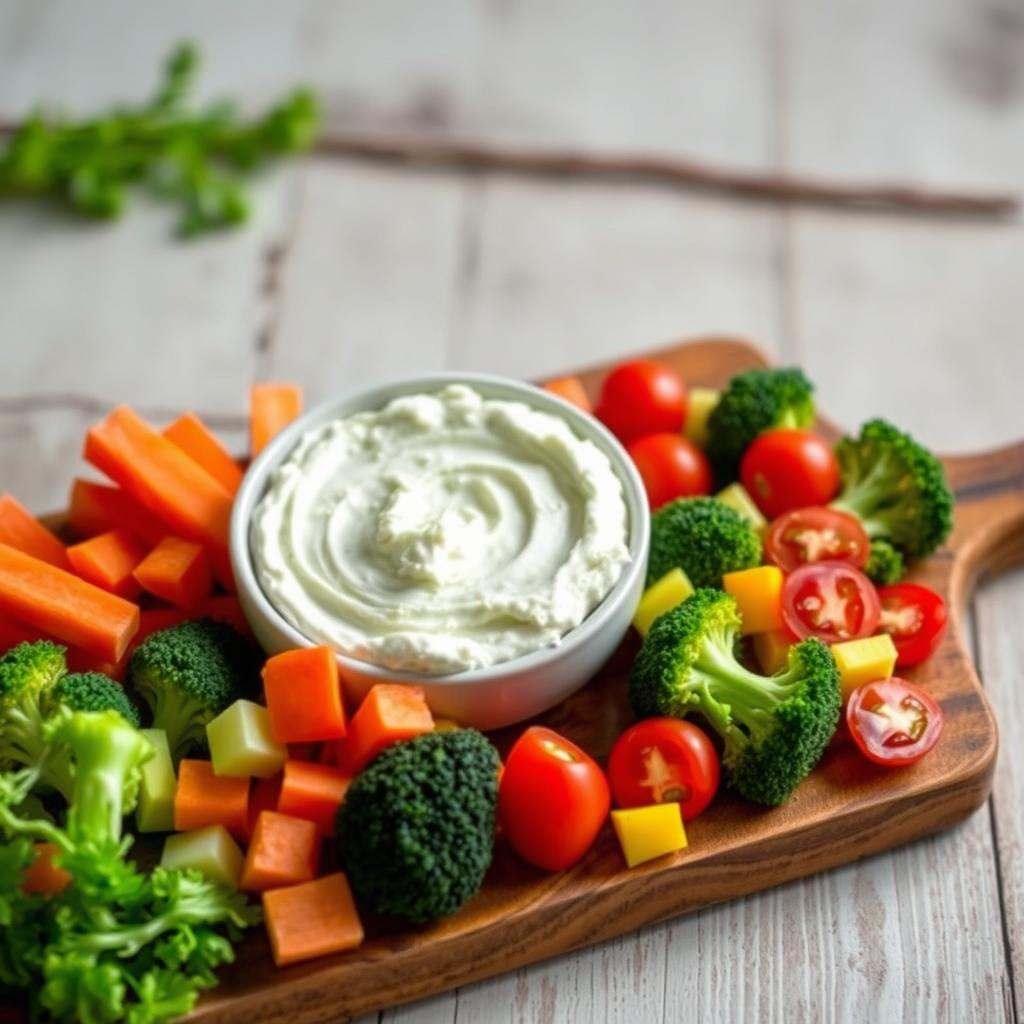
(198, 442)
(311, 919)
(262, 797)
(109, 561)
(177, 571)
(63, 606)
(97, 508)
(225, 608)
(13, 633)
(271, 408)
(165, 480)
(20, 529)
(202, 798)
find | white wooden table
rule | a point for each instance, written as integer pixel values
(352, 272)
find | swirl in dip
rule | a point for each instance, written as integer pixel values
(444, 532)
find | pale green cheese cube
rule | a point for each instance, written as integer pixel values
(210, 850)
(241, 743)
(155, 812)
(737, 498)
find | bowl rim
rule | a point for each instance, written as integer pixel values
(584, 425)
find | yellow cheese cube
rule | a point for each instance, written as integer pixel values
(648, 832)
(864, 661)
(702, 401)
(737, 498)
(673, 588)
(758, 593)
(241, 743)
(445, 725)
(772, 650)
(155, 811)
(210, 850)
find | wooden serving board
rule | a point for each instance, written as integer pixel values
(846, 810)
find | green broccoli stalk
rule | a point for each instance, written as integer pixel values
(774, 729)
(188, 674)
(705, 538)
(885, 564)
(416, 830)
(753, 402)
(896, 487)
(118, 943)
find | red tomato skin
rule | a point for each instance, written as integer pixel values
(857, 545)
(893, 690)
(671, 467)
(786, 469)
(921, 645)
(641, 397)
(681, 741)
(551, 809)
(814, 573)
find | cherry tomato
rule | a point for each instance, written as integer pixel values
(893, 722)
(664, 760)
(830, 600)
(816, 534)
(642, 397)
(786, 469)
(916, 619)
(552, 799)
(671, 467)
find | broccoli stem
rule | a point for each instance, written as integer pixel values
(863, 496)
(15, 790)
(731, 695)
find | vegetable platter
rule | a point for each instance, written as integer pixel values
(848, 807)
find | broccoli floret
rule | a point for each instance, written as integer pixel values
(753, 402)
(774, 729)
(416, 830)
(108, 754)
(885, 564)
(896, 487)
(118, 942)
(28, 674)
(93, 691)
(188, 674)
(705, 538)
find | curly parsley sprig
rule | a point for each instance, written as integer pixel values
(196, 158)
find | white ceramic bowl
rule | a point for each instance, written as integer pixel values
(486, 698)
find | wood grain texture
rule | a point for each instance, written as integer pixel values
(844, 811)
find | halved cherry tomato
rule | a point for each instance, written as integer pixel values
(893, 722)
(671, 467)
(664, 760)
(916, 618)
(816, 534)
(642, 397)
(830, 600)
(552, 799)
(786, 469)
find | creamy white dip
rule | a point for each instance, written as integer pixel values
(444, 532)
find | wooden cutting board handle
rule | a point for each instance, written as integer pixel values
(989, 532)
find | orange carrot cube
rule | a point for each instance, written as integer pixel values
(311, 919)
(314, 792)
(304, 696)
(283, 851)
(203, 798)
